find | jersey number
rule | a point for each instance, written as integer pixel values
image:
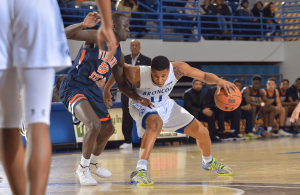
(159, 99)
(103, 68)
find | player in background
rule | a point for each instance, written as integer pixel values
(273, 97)
(33, 47)
(156, 83)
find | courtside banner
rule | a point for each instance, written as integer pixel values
(116, 118)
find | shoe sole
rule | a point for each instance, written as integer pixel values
(87, 184)
(141, 184)
(101, 176)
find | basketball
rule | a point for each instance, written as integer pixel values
(226, 102)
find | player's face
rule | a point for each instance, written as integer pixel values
(135, 47)
(122, 29)
(285, 85)
(271, 85)
(197, 85)
(238, 85)
(159, 77)
(256, 85)
(297, 84)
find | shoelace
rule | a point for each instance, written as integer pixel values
(142, 173)
(218, 165)
(98, 165)
(86, 171)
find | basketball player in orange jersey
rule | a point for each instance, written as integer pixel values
(156, 83)
(252, 95)
(273, 97)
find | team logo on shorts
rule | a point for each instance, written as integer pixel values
(142, 111)
(64, 49)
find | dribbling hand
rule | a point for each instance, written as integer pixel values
(145, 102)
(226, 85)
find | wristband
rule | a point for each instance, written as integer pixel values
(262, 104)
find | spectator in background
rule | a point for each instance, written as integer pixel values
(135, 58)
(223, 10)
(272, 24)
(253, 95)
(55, 95)
(273, 97)
(128, 6)
(257, 9)
(209, 9)
(246, 113)
(221, 116)
(194, 103)
(245, 12)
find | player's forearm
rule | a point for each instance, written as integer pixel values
(111, 81)
(210, 78)
(104, 7)
(72, 29)
(127, 90)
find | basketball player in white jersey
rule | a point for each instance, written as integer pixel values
(156, 83)
(33, 46)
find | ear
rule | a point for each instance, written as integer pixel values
(114, 27)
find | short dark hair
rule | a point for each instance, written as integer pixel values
(297, 79)
(256, 78)
(286, 81)
(237, 81)
(271, 79)
(194, 80)
(116, 16)
(160, 63)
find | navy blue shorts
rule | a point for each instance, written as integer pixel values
(72, 93)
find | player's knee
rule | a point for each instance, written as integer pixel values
(107, 130)
(155, 126)
(93, 126)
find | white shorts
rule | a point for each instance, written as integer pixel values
(32, 35)
(174, 117)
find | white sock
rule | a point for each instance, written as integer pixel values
(94, 159)
(85, 162)
(206, 159)
(269, 129)
(141, 164)
(253, 130)
(232, 130)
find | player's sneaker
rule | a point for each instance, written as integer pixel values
(266, 134)
(85, 177)
(140, 178)
(283, 133)
(214, 165)
(100, 171)
(250, 136)
(126, 146)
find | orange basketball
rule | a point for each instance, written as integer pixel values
(226, 102)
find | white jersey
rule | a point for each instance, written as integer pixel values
(174, 117)
(157, 95)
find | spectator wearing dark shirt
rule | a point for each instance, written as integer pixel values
(247, 114)
(221, 116)
(257, 9)
(209, 9)
(272, 24)
(223, 10)
(194, 102)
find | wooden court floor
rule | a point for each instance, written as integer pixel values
(259, 167)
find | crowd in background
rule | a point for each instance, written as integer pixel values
(273, 102)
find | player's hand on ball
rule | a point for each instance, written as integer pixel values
(107, 98)
(145, 102)
(91, 20)
(226, 85)
(295, 114)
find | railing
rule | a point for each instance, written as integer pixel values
(171, 23)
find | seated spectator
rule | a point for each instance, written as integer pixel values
(273, 97)
(247, 15)
(252, 95)
(55, 95)
(257, 9)
(223, 10)
(246, 113)
(294, 100)
(194, 102)
(209, 9)
(221, 116)
(272, 24)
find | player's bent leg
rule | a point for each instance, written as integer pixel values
(200, 133)
(12, 153)
(153, 125)
(85, 113)
(106, 132)
(36, 96)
